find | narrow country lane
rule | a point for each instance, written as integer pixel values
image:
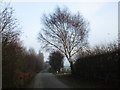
(46, 80)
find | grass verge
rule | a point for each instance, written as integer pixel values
(76, 82)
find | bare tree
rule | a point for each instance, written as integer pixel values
(8, 24)
(64, 31)
(7, 20)
(11, 48)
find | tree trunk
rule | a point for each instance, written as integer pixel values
(71, 66)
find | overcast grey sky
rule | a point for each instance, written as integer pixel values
(102, 16)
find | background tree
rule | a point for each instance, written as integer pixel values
(10, 44)
(35, 60)
(8, 25)
(56, 60)
(64, 31)
(18, 65)
(40, 56)
(7, 20)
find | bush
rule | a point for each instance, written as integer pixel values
(102, 66)
(23, 78)
(19, 67)
(14, 55)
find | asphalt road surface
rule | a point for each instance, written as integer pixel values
(46, 80)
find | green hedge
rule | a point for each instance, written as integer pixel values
(101, 67)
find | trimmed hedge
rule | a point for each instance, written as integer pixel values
(101, 67)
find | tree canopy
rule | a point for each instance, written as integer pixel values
(65, 32)
(56, 60)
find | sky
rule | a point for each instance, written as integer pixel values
(102, 16)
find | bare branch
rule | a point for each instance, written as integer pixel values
(64, 31)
